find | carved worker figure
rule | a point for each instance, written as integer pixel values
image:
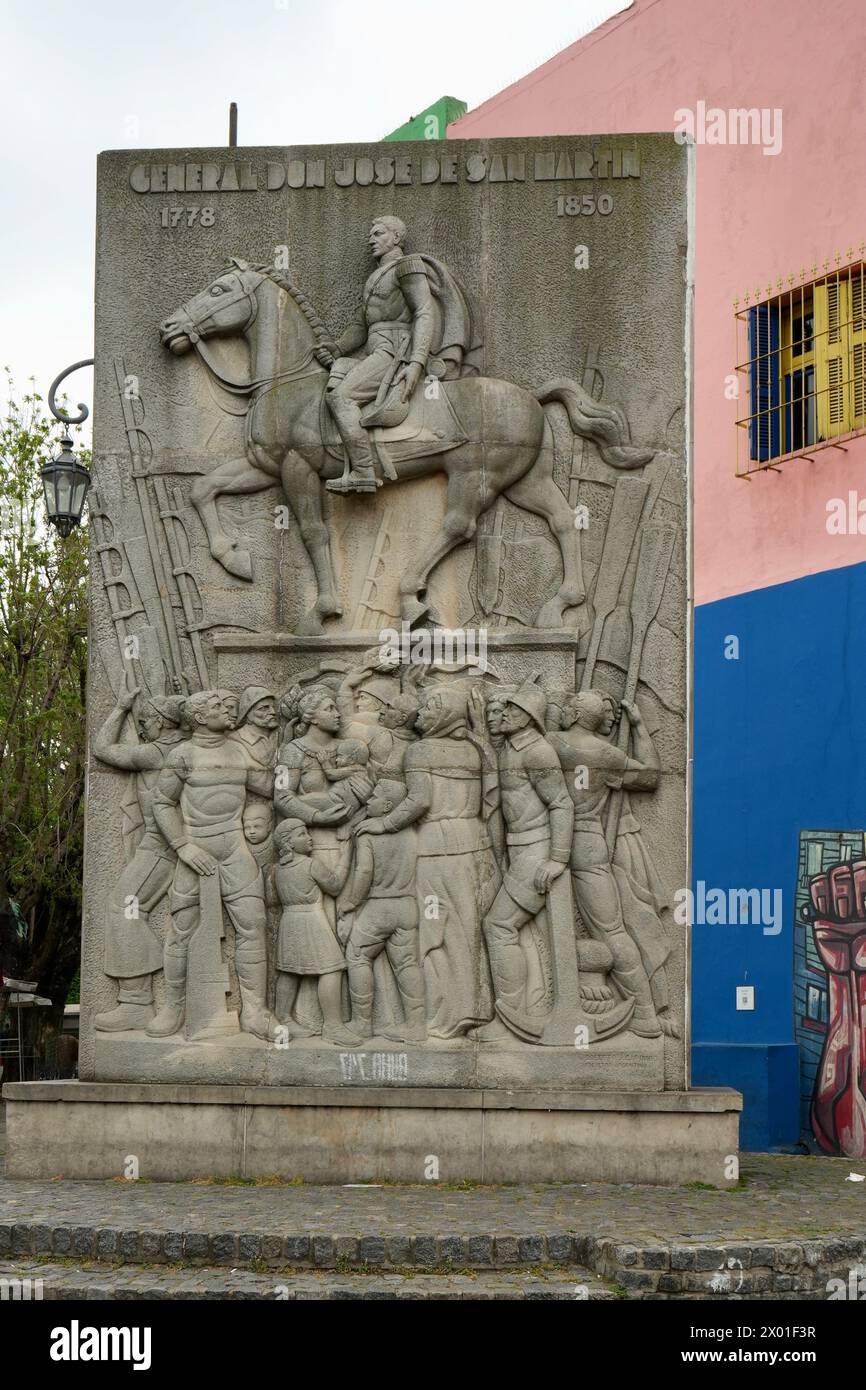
(361, 697)
(414, 318)
(381, 900)
(198, 805)
(538, 815)
(398, 716)
(133, 952)
(593, 768)
(257, 724)
(457, 875)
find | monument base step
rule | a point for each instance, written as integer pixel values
(346, 1134)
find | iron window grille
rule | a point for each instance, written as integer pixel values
(801, 355)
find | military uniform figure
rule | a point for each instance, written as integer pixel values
(414, 319)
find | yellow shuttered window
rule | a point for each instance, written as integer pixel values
(802, 353)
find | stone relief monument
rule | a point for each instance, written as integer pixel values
(388, 700)
(389, 614)
(387, 797)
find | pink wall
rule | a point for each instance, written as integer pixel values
(758, 218)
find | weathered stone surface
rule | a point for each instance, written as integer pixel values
(479, 756)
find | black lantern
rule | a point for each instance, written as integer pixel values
(65, 481)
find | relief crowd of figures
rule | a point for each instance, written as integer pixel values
(387, 841)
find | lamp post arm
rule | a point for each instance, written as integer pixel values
(55, 410)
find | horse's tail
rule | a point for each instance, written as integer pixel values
(605, 425)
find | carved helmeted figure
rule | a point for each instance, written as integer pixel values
(538, 815)
(594, 768)
(381, 900)
(258, 724)
(198, 805)
(361, 697)
(395, 331)
(456, 875)
(257, 728)
(133, 953)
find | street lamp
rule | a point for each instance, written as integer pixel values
(65, 480)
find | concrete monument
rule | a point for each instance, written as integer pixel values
(388, 677)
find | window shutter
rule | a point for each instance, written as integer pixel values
(857, 288)
(832, 357)
(764, 381)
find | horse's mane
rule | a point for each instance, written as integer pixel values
(283, 281)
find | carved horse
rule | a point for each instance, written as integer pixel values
(509, 451)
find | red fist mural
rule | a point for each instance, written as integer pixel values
(838, 916)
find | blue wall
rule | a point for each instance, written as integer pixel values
(779, 747)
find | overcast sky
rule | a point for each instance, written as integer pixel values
(77, 78)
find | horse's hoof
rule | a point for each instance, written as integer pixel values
(412, 610)
(550, 614)
(234, 560)
(329, 608)
(310, 625)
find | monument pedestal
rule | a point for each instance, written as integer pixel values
(343, 1134)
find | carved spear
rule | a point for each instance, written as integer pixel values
(656, 549)
(625, 514)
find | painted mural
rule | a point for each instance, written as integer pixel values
(830, 989)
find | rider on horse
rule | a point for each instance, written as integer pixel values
(414, 319)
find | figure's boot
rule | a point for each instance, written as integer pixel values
(410, 983)
(508, 968)
(171, 1016)
(362, 474)
(253, 982)
(634, 984)
(361, 995)
(134, 1009)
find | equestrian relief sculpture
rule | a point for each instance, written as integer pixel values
(398, 396)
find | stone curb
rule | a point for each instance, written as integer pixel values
(754, 1269)
(130, 1282)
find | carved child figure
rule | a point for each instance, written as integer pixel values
(306, 943)
(382, 908)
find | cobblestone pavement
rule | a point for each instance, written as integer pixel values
(782, 1198)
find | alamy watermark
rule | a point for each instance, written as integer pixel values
(465, 646)
(729, 907)
(736, 126)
